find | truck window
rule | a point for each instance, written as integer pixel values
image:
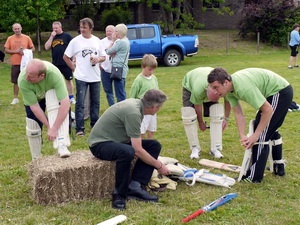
(131, 34)
(147, 32)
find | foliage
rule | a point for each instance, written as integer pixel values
(272, 18)
(115, 14)
(33, 15)
(85, 8)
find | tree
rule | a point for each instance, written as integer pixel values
(33, 15)
(272, 18)
(179, 13)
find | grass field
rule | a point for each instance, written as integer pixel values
(274, 201)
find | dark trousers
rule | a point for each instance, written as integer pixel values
(30, 114)
(280, 103)
(123, 154)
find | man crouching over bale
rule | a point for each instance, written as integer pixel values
(43, 86)
(117, 137)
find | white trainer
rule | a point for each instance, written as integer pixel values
(216, 153)
(195, 153)
(72, 101)
(14, 101)
(63, 152)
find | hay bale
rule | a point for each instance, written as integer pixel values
(81, 176)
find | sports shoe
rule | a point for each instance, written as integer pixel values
(216, 153)
(296, 66)
(14, 101)
(63, 151)
(195, 153)
(290, 67)
(279, 169)
(80, 133)
(72, 101)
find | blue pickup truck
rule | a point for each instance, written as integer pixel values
(171, 49)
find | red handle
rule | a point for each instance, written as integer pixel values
(192, 216)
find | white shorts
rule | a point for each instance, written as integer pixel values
(148, 124)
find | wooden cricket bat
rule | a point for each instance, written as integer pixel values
(220, 165)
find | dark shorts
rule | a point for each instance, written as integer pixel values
(66, 71)
(15, 71)
(186, 95)
(294, 51)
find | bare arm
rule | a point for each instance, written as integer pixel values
(240, 120)
(50, 40)
(40, 115)
(143, 155)
(69, 62)
(227, 114)
(202, 125)
(266, 114)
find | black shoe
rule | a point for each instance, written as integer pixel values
(118, 202)
(279, 169)
(138, 192)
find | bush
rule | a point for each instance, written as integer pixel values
(115, 15)
(274, 19)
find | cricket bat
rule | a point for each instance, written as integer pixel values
(114, 221)
(211, 206)
(220, 165)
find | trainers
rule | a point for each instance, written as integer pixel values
(296, 66)
(195, 153)
(63, 152)
(290, 67)
(14, 101)
(216, 153)
(80, 133)
(279, 169)
(72, 101)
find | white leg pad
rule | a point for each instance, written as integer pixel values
(189, 119)
(248, 155)
(34, 135)
(216, 114)
(52, 105)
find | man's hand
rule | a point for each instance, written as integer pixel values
(163, 170)
(52, 134)
(202, 125)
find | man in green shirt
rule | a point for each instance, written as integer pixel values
(117, 137)
(266, 92)
(41, 85)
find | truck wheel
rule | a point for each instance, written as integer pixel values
(172, 58)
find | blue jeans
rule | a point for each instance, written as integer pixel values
(81, 88)
(119, 87)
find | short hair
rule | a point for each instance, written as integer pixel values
(57, 23)
(218, 74)
(296, 25)
(122, 29)
(39, 66)
(153, 97)
(87, 21)
(149, 60)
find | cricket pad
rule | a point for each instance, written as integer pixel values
(81, 176)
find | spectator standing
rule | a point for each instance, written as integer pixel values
(58, 42)
(15, 46)
(117, 137)
(106, 67)
(88, 52)
(145, 81)
(294, 45)
(119, 52)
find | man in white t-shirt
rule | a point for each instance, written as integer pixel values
(88, 52)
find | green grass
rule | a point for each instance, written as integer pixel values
(274, 201)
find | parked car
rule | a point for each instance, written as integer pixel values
(171, 49)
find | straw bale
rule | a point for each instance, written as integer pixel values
(81, 176)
